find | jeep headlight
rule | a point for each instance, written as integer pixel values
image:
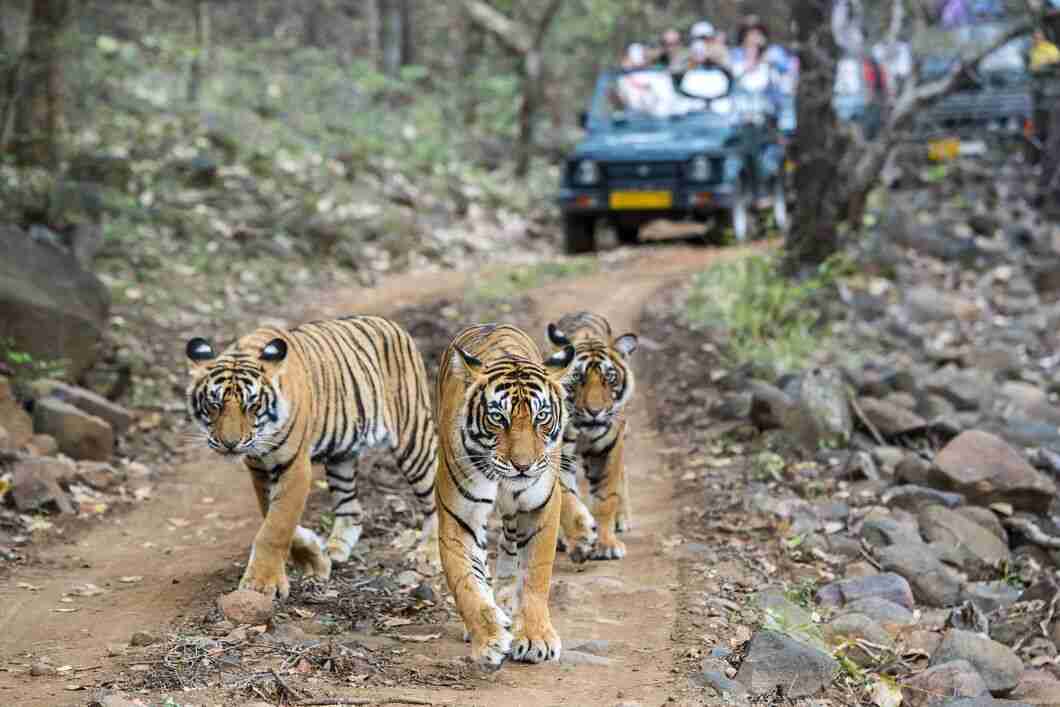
(699, 169)
(586, 172)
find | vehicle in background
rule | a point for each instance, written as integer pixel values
(664, 148)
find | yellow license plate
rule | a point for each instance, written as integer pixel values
(641, 200)
(944, 149)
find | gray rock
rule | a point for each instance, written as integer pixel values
(890, 586)
(989, 596)
(997, 664)
(823, 395)
(712, 674)
(914, 469)
(913, 498)
(986, 518)
(932, 582)
(1030, 402)
(982, 702)
(35, 485)
(116, 416)
(942, 525)
(845, 631)
(881, 531)
(1024, 432)
(140, 639)
(888, 457)
(40, 283)
(775, 661)
(926, 304)
(1038, 688)
(932, 407)
(964, 389)
(579, 658)
(889, 615)
(889, 419)
(784, 616)
(987, 470)
(936, 685)
(79, 435)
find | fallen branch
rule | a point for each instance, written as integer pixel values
(343, 702)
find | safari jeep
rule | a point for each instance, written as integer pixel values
(664, 148)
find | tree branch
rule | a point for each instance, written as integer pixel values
(513, 36)
(546, 19)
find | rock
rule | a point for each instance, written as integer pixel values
(881, 530)
(116, 649)
(101, 168)
(926, 304)
(997, 664)
(987, 470)
(965, 389)
(823, 395)
(990, 596)
(932, 582)
(246, 607)
(913, 498)
(889, 586)
(579, 658)
(860, 570)
(1023, 432)
(939, 524)
(5, 440)
(887, 614)
(781, 614)
(932, 687)
(888, 457)
(1037, 687)
(15, 420)
(1003, 360)
(914, 469)
(888, 418)
(724, 686)
(901, 399)
(775, 661)
(142, 638)
(424, 592)
(932, 407)
(920, 641)
(118, 417)
(41, 445)
(35, 485)
(40, 669)
(39, 283)
(1030, 401)
(981, 702)
(987, 519)
(79, 435)
(846, 630)
(100, 476)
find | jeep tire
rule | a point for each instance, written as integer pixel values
(627, 235)
(579, 233)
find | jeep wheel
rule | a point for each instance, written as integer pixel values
(579, 233)
(627, 235)
(741, 213)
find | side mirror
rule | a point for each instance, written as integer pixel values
(583, 119)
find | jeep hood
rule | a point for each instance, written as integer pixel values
(651, 142)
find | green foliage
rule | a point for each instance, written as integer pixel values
(26, 368)
(770, 319)
(512, 281)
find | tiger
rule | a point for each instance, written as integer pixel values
(501, 416)
(318, 393)
(601, 386)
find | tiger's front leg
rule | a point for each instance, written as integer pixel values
(608, 487)
(462, 545)
(266, 570)
(577, 523)
(538, 520)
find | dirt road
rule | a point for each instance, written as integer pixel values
(183, 548)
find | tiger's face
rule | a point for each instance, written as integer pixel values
(514, 415)
(235, 397)
(601, 382)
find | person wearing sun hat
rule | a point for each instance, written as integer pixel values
(712, 42)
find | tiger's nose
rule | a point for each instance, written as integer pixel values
(521, 468)
(230, 446)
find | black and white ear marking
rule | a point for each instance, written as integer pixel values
(556, 336)
(561, 359)
(472, 364)
(199, 349)
(626, 344)
(275, 350)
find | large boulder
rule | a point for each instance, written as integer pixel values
(776, 661)
(80, 435)
(999, 666)
(94, 404)
(987, 470)
(977, 544)
(13, 418)
(932, 687)
(50, 307)
(823, 396)
(35, 485)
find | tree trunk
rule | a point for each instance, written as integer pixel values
(1048, 95)
(372, 31)
(527, 111)
(474, 45)
(818, 146)
(202, 49)
(392, 35)
(408, 47)
(317, 19)
(39, 108)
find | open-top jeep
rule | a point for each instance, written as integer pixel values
(665, 147)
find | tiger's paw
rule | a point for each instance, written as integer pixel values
(490, 652)
(582, 552)
(609, 549)
(309, 558)
(536, 646)
(561, 544)
(270, 581)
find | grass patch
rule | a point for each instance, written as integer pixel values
(515, 280)
(771, 320)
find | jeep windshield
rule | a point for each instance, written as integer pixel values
(655, 95)
(941, 50)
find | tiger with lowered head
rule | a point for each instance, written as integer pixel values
(318, 393)
(500, 419)
(601, 385)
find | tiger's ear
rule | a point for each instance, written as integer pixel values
(274, 351)
(471, 365)
(625, 344)
(557, 337)
(558, 364)
(199, 351)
